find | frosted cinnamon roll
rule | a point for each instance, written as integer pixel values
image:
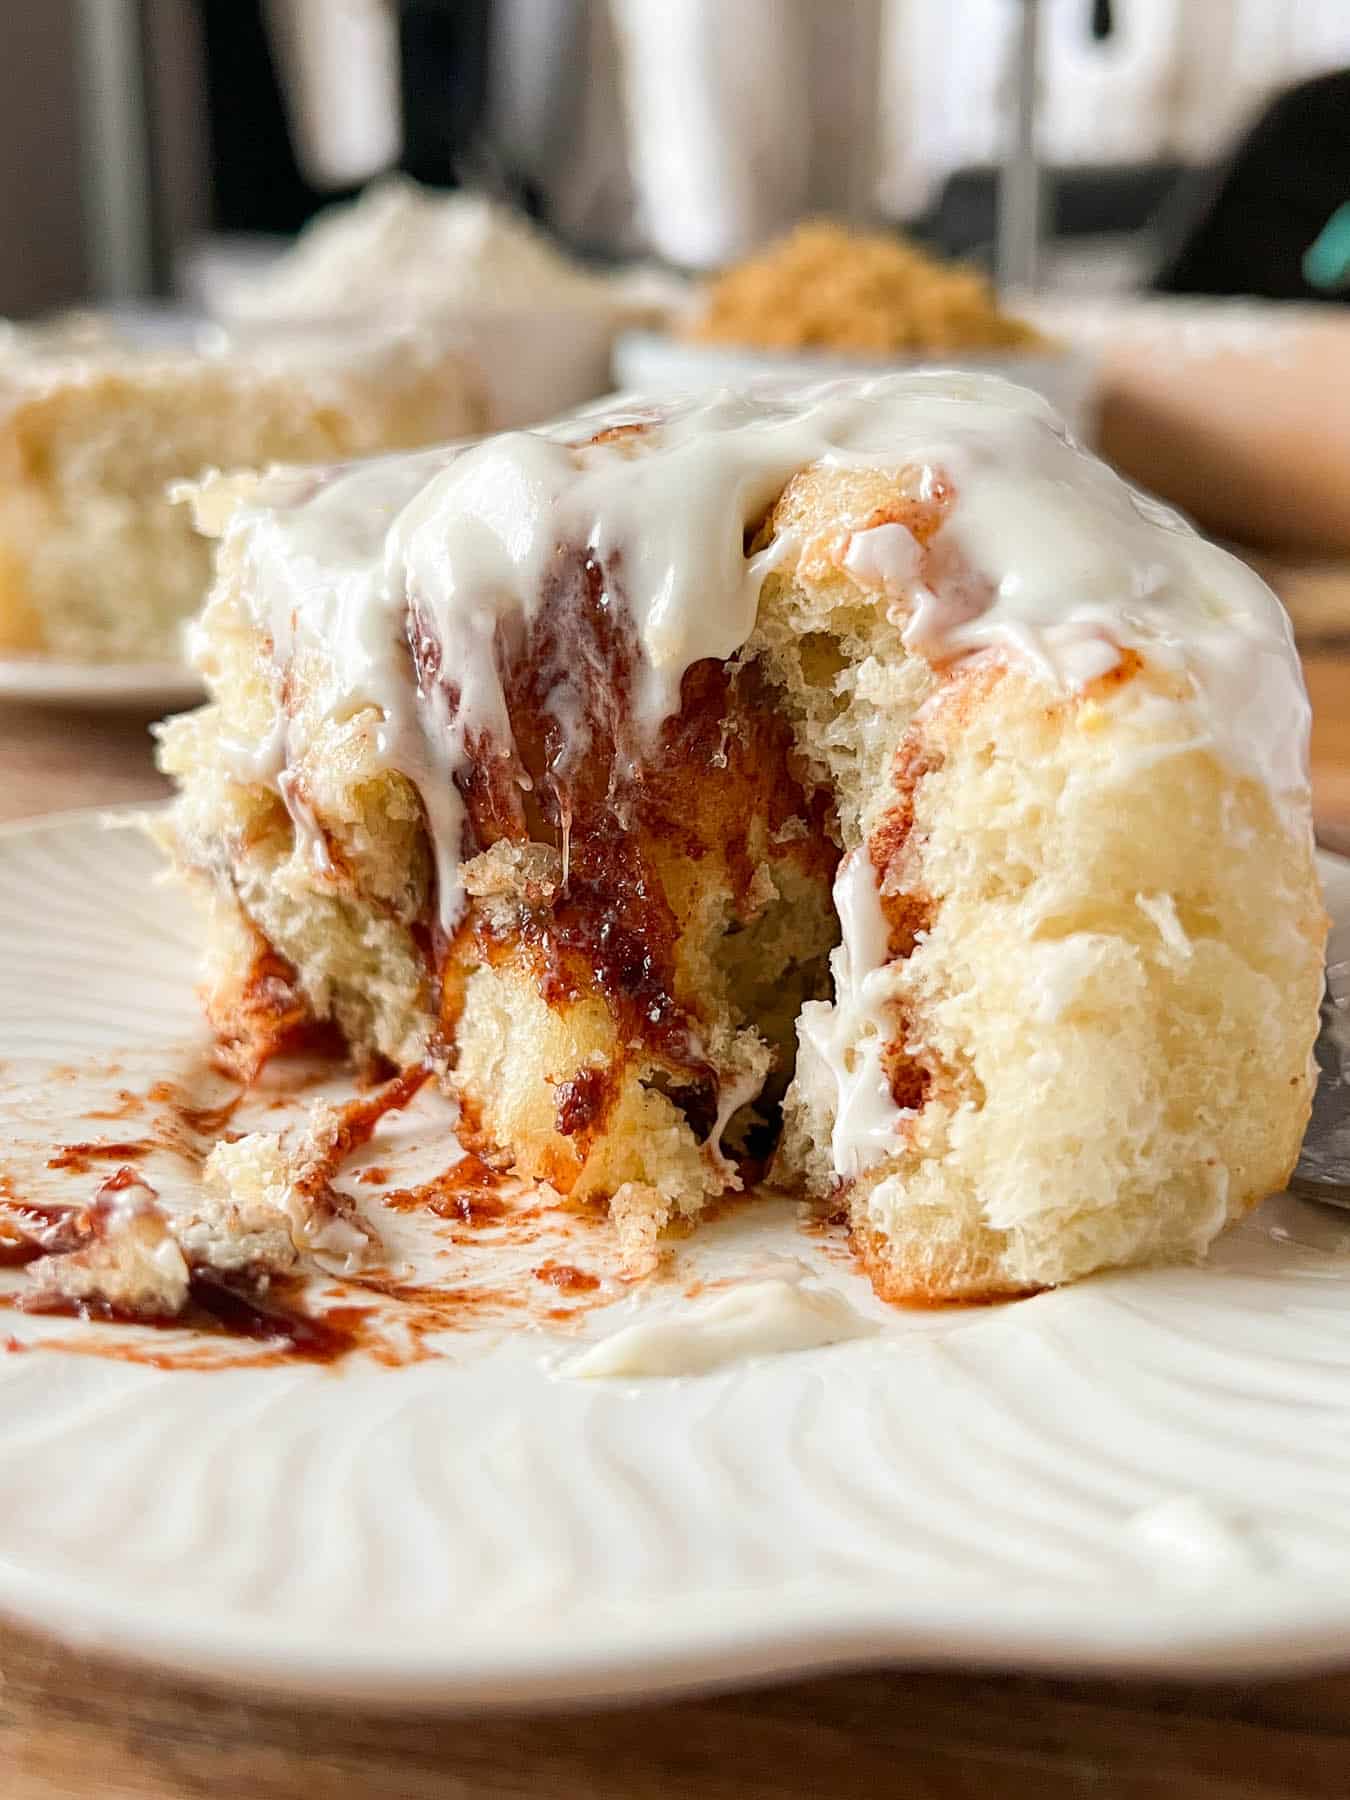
(860, 784)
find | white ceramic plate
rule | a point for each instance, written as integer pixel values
(50, 681)
(1146, 1472)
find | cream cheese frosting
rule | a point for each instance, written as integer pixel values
(842, 1042)
(1072, 566)
(773, 1316)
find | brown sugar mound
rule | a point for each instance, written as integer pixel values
(825, 287)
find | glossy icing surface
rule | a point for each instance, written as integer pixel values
(458, 544)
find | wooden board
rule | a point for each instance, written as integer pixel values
(72, 1730)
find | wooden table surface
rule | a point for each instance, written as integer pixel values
(72, 1730)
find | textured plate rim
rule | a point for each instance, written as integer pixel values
(1279, 1628)
(1276, 1626)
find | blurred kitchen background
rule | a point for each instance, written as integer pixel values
(163, 141)
(1141, 207)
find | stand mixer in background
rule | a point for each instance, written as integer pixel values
(691, 131)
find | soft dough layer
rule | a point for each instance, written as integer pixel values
(1070, 1020)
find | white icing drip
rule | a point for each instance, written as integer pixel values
(753, 1318)
(734, 1091)
(117, 1207)
(309, 838)
(887, 556)
(1057, 562)
(1086, 565)
(843, 1042)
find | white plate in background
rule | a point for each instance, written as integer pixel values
(53, 681)
(1148, 1472)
